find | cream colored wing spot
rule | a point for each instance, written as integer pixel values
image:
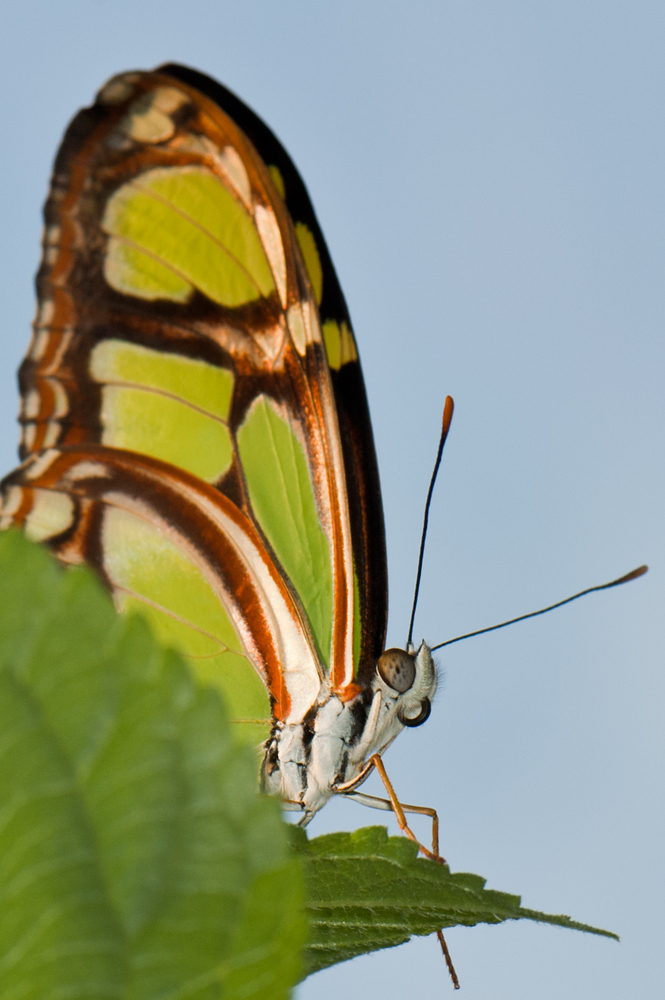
(231, 163)
(40, 339)
(45, 313)
(53, 340)
(51, 514)
(118, 89)
(51, 243)
(31, 405)
(228, 163)
(149, 117)
(41, 464)
(312, 326)
(296, 324)
(87, 470)
(28, 436)
(60, 400)
(271, 340)
(63, 339)
(52, 236)
(57, 407)
(303, 325)
(266, 223)
(168, 99)
(10, 501)
(52, 434)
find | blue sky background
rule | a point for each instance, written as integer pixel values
(489, 176)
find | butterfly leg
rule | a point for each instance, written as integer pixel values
(399, 809)
(449, 961)
(393, 804)
(289, 805)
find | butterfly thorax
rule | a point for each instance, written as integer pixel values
(307, 762)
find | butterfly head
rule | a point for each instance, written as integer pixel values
(402, 689)
(407, 681)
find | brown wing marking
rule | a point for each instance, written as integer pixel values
(205, 525)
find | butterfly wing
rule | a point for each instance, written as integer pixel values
(362, 475)
(192, 353)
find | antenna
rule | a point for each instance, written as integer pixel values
(448, 408)
(640, 571)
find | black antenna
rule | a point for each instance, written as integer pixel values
(448, 408)
(640, 571)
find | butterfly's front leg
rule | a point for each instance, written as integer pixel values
(392, 804)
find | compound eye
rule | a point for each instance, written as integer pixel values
(397, 669)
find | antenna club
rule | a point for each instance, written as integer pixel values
(448, 408)
(640, 571)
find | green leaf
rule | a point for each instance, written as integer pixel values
(366, 890)
(136, 857)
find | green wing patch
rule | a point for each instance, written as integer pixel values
(339, 342)
(156, 578)
(174, 229)
(166, 406)
(277, 180)
(167, 429)
(307, 245)
(282, 497)
(205, 386)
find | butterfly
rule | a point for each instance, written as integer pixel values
(195, 427)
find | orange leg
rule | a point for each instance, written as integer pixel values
(393, 804)
(449, 961)
(433, 855)
(400, 816)
(400, 809)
